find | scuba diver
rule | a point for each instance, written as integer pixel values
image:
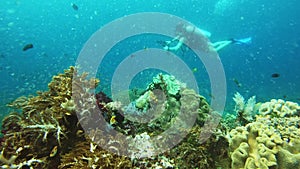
(198, 39)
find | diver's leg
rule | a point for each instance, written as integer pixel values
(221, 44)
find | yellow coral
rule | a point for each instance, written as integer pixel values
(253, 147)
(272, 141)
(279, 108)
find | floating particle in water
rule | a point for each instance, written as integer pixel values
(74, 6)
(275, 75)
(10, 24)
(27, 46)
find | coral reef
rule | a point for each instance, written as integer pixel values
(254, 146)
(271, 141)
(166, 82)
(36, 136)
(47, 130)
(279, 108)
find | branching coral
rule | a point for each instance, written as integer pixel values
(86, 155)
(44, 126)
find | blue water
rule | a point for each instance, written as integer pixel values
(58, 33)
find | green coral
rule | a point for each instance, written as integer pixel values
(167, 82)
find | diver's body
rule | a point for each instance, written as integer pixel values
(197, 38)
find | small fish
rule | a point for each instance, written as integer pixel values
(113, 120)
(275, 75)
(74, 6)
(27, 46)
(237, 82)
(194, 69)
(211, 96)
(53, 151)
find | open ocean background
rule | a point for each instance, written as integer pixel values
(58, 33)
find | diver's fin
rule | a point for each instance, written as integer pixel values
(246, 41)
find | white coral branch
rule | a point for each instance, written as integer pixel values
(239, 102)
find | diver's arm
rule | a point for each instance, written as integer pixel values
(174, 39)
(178, 46)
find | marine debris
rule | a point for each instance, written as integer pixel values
(47, 130)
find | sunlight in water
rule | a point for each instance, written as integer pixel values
(222, 6)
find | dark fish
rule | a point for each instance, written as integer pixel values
(28, 46)
(237, 82)
(275, 75)
(74, 6)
